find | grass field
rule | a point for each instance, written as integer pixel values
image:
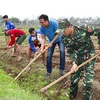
(10, 90)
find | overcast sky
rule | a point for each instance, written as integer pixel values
(53, 8)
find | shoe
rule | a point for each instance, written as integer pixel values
(19, 59)
(27, 63)
(13, 55)
(48, 75)
(62, 72)
(28, 69)
(45, 64)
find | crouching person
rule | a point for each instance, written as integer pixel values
(35, 44)
(17, 37)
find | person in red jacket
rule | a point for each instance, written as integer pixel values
(17, 37)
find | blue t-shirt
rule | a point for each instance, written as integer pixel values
(50, 30)
(9, 25)
(31, 44)
(38, 32)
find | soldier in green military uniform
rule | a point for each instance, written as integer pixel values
(80, 48)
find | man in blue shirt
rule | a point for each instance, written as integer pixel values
(49, 28)
(8, 24)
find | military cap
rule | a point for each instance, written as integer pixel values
(64, 23)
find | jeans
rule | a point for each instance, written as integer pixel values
(62, 56)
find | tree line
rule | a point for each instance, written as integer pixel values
(75, 21)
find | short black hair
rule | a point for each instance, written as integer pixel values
(5, 16)
(31, 30)
(43, 16)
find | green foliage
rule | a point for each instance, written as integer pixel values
(1, 19)
(14, 20)
(10, 90)
(1, 33)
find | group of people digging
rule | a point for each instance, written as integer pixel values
(11, 33)
(79, 45)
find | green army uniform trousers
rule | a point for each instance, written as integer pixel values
(88, 75)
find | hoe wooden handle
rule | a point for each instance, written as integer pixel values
(31, 62)
(6, 48)
(67, 74)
